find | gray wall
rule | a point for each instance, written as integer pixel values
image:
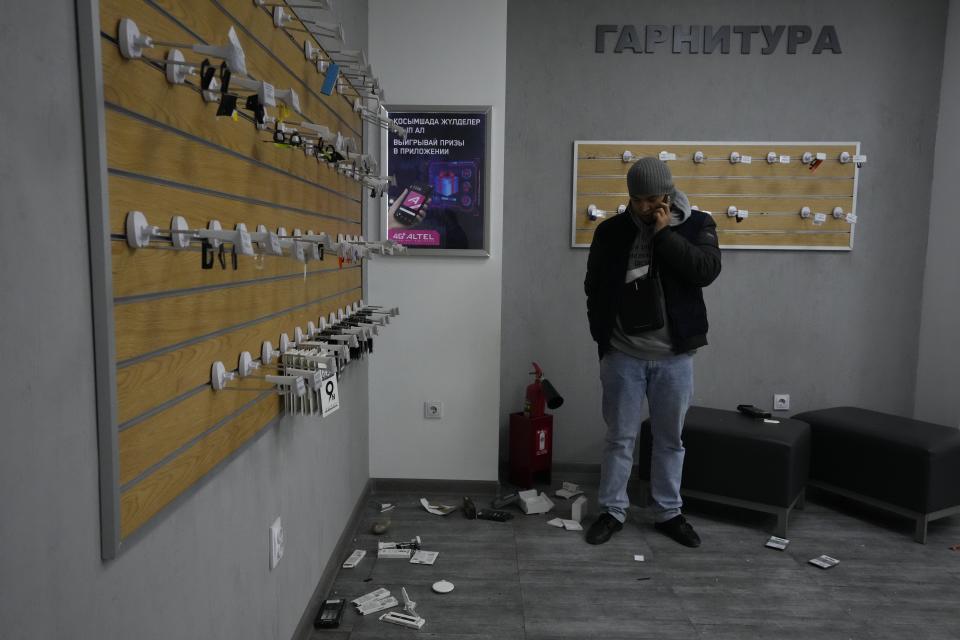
(202, 570)
(938, 368)
(828, 328)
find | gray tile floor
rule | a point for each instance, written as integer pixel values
(525, 579)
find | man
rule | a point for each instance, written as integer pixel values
(655, 257)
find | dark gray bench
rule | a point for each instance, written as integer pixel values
(905, 466)
(741, 461)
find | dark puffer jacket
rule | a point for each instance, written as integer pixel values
(686, 258)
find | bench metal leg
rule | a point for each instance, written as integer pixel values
(780, 529)
(920, 533)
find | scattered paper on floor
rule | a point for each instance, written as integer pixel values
(437, 509)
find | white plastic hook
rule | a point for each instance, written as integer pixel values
(267, 353)
(267, 241)
(232, 52)
(139, 231)
(177, 68)
(627, 156)
(266, 93)
(290, 98)
(219, 376)
(805, 212)
(595, 213)
(178, 232)
(131, 41)
(699, 157)
(246, 366)
(288, 384)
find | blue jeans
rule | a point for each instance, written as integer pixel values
(668, 387)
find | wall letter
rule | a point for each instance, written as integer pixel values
(628, 40)
(602, 31)
(711, 39)
(827, 39)
(797, 34)
(655, 34)
(690, 38)
(772, 37)
(746, 35)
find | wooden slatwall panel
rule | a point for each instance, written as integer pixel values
(168, 154)
(773, 194)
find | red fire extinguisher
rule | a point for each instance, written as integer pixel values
(536, 402)
(541, 395)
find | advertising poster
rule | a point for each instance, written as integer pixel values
(439, 203)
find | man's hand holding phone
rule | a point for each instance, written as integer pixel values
(662, 214)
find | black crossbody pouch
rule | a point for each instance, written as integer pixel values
(641, 305)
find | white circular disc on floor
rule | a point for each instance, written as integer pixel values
(443, 586)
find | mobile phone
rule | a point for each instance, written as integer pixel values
(412, 207)
(331, 611)
(752, 411)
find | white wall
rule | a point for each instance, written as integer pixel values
(446, 343)
(938, 366)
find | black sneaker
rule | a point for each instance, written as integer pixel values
(603, 528)
(495, 515)
(680, 530)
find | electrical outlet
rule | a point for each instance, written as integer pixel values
(781, 402)
(433, 410)
(276, 542)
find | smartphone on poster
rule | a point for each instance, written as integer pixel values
(413, 202)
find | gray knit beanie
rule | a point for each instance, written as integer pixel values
(649, 177)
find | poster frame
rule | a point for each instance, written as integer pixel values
(487, 111)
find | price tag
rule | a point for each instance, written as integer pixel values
(246, 245)
(269, 98)
(784, 159)
(666, 155)
(298, 251)
(274, 242)
(742, 214)
(746, 159)
(859, 159)
(821, 155)
(819, 218)
(851, 218)
(329, 394)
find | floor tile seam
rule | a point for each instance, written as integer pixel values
(523, 602)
